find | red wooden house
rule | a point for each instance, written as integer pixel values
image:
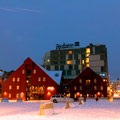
(31, 81)
(88, 84)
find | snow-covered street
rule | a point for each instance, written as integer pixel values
(91, 110)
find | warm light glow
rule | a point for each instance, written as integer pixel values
(27, 81)
(18, 79)
(13, 79)
(83, 62)
(70, 52)
(10, 87)
(78, 94)
(68, 95)
(87, 50)
(50, 88)
(48, 60)
(87, 65)
(17, 87)
(87, 60)
(5, 94)
(104, 80)
(69, 62)
(48, 93)
(98, 94)
(87, 55)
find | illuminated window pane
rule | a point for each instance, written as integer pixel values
(83, 62)
(34, 71)
(23, 71)
(95, 87)
(69, 62)
(17, 87)
(95, 81)
(104, 80)
(87, 55)
(44, 79)
(87, 50)
(39, 79)
(17, 95)
(80, 80)
(48, 60)
(10, 87)
(13, 79)
(70, 52)
(101, 87)
(18, 79)
(87, 65)
(87, 60)
(9, 95)
(87, 82)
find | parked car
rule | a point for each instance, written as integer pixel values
(60, 98)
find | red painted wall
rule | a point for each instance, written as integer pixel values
(28, 64)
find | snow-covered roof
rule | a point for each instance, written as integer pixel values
(55, 75)
(1, 73)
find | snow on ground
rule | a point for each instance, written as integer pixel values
(90, 110)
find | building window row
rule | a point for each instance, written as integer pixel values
(17, 87)
(39, 79)
(18, 79)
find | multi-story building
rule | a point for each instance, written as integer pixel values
(1, 73)
(73, 59)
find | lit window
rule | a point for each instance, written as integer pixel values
(95, 81)
(18, 79)
(13, 79)
(10, 87)
(80, 80)
(83, 62)
(101, 87)
(44, 79)
(23, 71)
(17, 95)
(34, 71)
(18, 87)
(87, 60)
(69, 62)
(48, 60)
(39, 79)
(70, 52)
(80, 87)
(87, 50)
(9, 95)
(95, 87)
(75, 87)
(87, 82)
(87, 55)
(104, 80)
(87, 65)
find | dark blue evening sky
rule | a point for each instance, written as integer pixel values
(33, 27)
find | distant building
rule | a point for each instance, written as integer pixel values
(31, 81)
(72, 59)
(88, 84)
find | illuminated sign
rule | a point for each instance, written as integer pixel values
(66, 46)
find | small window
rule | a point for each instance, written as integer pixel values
(75, 87)
(80, 80)
(104, 80)
(13, 79)
(95, 81)
(95, 87)
(10, 87)
(83, 62)
(101, 87)
(18, 87)
(87, 60)
(87, 65)
(70, 52)
(18, 79)
(44, 79)
(17, 95)
(9, 95)
(39, 79)
(87, 82)
(80, 87)
(34, 71)
(23, 71)
(69, 62)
